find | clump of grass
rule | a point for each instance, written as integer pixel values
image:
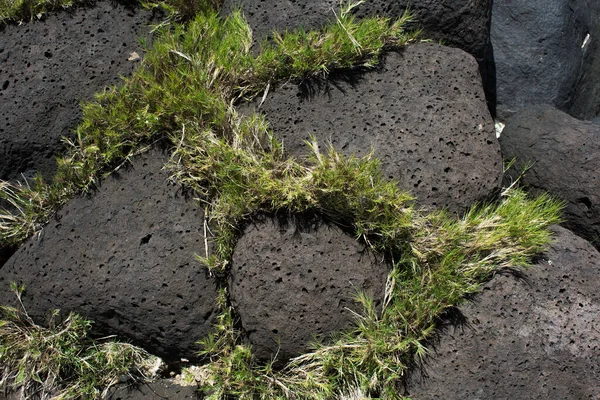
(248, 173)
(190, 78)
(60, 361)
(23, 10)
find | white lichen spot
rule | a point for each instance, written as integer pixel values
(499, 126)
(586, 40)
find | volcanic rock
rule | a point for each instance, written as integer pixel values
(294, 281)
(532, 338)
(123, 257)
(538, 53)
(565, 156)
(49, 67)
(423, 113)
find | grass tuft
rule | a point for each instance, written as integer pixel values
(60, 362)
(189, 80)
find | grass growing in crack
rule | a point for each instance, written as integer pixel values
(443, 260)
(190, 77)
(184, 95)
(60, 362)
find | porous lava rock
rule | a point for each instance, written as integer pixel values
(565, 155)
(423, 113)
(532, 338)
(159, 390)
(461, 23)
(123, 257)
(537, 52)
(294, 281)
(48, 67)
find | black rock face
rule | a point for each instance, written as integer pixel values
(565, 152)
(123, 257)
(586, 101)
(423, 113)
(537, 52)
(291, 284)
(153, 391)
(525, 339)
(48, 67)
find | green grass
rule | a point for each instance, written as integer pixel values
(23, 10)
(184, 97)
(437, 261)
(60, 361)
(189, 79)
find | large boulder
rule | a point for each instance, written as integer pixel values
(423, 113)
(48, 67)
(462, 23)
(532, 338)
(537, 53)
(123, 257)
(565, 153)
(294, 281)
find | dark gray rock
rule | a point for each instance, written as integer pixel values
(460, 23)
(153, 391)
(537, 53)
(48, 67)
(586, 101)
(565, 152)
(292, 282)
(526, 339)
(424, 114)
(159, 390)
(123, 257)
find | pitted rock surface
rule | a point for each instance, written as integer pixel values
(123, 257)
(48, 67)
(461, 23)
(538, 52)
(159, 390)
(291, 283)
(424, 114)
(526, 339)
(566, 156)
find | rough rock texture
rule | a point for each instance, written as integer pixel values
(153, 391)
(537, 53)
(423, 112)
(532, 339)
(291, 282)
(123, 257)
(586, 103)
(462, 23)
(48, 67)
(159, 390)
(566, 153)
